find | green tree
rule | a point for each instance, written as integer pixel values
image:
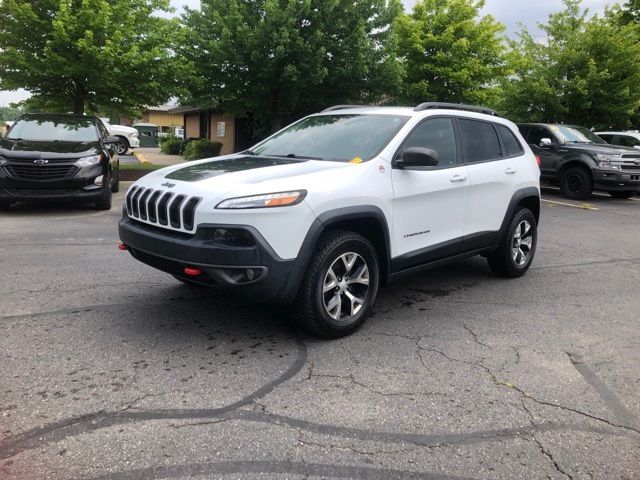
(587, 71)
(631, 11)
(74, 55)
(274, 59)
(449, 52)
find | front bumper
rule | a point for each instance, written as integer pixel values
(223, 266)
(79, 186)
(134, 142)
(611, 180)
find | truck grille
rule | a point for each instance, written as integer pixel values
(41, 172)
(165, 209)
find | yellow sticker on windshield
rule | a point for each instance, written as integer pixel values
(356, 160)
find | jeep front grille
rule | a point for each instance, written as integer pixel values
(162, 208)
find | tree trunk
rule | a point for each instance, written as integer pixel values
(276, 123)
(78, 105)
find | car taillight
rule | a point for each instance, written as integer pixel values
(538, 160)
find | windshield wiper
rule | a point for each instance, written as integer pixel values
(293, 155)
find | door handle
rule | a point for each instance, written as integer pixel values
(458, 178)
(510, 171)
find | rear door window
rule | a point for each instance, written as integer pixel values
(509, 140)
(479, 141)
(629, 141)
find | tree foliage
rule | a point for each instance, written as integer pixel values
(276, 59)
(450, 52)
(96, 54)
(587, 71)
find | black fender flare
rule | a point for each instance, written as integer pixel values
(531, 193)
(325, 221)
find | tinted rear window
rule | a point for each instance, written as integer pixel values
(479, 141)
(509, 140)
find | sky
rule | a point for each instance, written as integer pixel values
(509, 12)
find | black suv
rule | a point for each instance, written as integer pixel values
(580, 161)
(58, 156)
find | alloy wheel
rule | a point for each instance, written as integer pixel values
(574, 183)
(522, 243)
(346, 286)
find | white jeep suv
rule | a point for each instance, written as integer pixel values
(325, 211)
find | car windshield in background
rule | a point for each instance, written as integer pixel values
(54, 129)
(576, 134)
(334, 137)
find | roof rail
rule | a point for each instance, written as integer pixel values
(455, 106)
(343, 107)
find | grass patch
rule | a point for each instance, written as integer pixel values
(141, 166)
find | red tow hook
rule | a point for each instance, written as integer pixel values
(122, 246)
(192, 271)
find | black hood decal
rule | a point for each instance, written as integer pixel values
(215, 168)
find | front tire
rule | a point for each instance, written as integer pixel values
(623, 193)
(121, 146)
(518, 246)
(340, 285)
(115, 187)
(105, 202)
(576, 183)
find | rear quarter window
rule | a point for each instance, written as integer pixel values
(510, 141)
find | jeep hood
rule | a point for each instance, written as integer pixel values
(242, 174)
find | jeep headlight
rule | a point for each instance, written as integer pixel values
(88, 161)
(605, 161)
(268, 200)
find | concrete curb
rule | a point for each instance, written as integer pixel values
(140, 158)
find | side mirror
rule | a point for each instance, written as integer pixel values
(418, 157)
(546, 143)
(111, 140)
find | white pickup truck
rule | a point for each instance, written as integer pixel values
(128, 136)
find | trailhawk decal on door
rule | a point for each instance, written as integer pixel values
(202, 171)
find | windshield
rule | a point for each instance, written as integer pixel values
(334, 137)
(576, 134)
(54, 129)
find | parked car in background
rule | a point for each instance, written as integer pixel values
(580, 161)
(58, 156)
(325, 211)
(624, 139)
(128, 137)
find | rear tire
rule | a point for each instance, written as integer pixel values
(518, 246)
(340, 286)
(623, 193)
(576, 183)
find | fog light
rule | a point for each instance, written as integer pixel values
(98, 181)
(235, 237)
(250, 274)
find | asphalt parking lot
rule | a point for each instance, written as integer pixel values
(112, 370)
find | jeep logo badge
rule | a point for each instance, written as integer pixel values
(41, 161)
(636, 162)
(168, 185)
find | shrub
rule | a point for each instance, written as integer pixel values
(170, 145)
(197, 149)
